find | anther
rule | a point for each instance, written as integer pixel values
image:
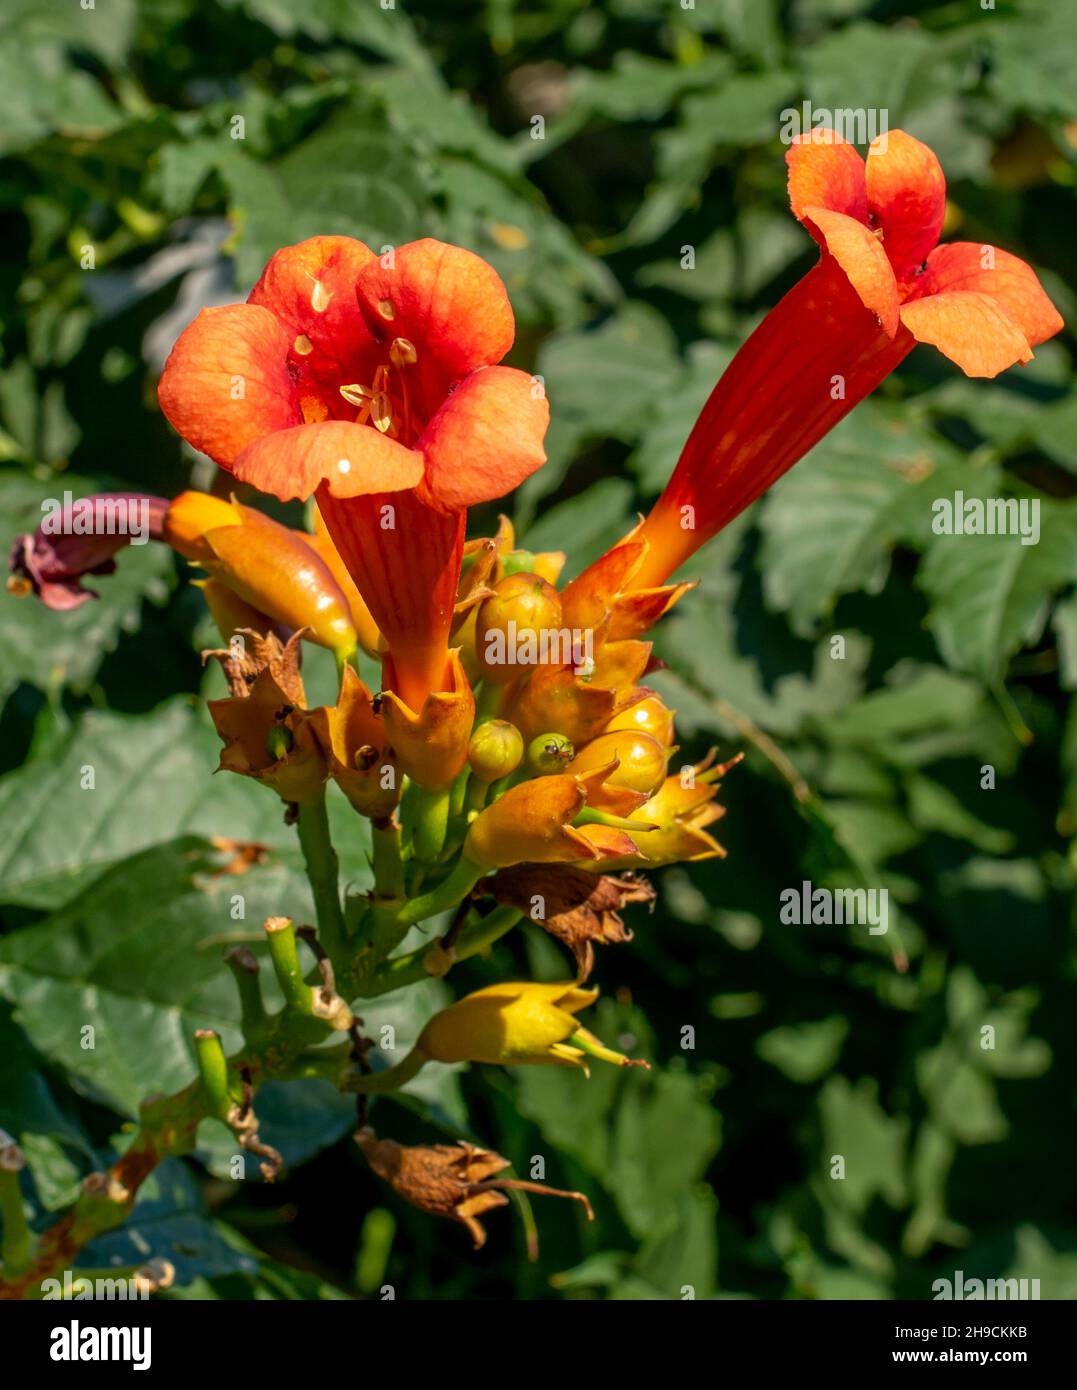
(402, 353)
(303, 346)
(385, 309)
(356, 395)
(381, 412)
(319, 298)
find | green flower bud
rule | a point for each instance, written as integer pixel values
(550, 753)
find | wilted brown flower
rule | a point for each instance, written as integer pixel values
(457, 1181)
(576, 908)
(243, 662)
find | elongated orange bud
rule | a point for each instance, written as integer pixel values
(532, 823)
(270, 567)
(191, 515)
(277, 571)
(231, 613)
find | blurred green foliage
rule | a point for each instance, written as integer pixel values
(714, 1173)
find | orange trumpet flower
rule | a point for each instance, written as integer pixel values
(370, 382)
(881, 287)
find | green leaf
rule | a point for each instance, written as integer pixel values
(990, 595)
(170, 1222)
(830, 525)
(103, 786)
(136, 958)
(50, 1139)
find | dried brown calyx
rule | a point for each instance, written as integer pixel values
(457, 1181)
(571, 904)
(249, 654)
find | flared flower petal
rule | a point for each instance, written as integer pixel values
(448, 301)
(826, 172)
(485, 440)
(906, 197)
(310, 289)
(226, 382)
(860, 254)
(1006, 279)
(970, 328)
(352, 460)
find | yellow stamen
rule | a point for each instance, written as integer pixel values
(320, 297)
(385, 308)
(303, 345)
(402, 353)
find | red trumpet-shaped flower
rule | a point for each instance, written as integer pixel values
(370, 382)
(881, 286)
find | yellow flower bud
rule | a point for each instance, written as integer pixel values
(495, 750)
(515, 626)
(647, 716)
(515, 1023)
(640, 761)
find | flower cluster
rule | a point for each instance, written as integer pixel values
(513, 755)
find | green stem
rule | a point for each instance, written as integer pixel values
(380, 1082)
(18, 1243)
(447, 894)
(320, 859)
(488, 702)
(411, 968)
(213, 1069)
(244, 967)
(431, 822)
(388, 864)
(284, 952)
